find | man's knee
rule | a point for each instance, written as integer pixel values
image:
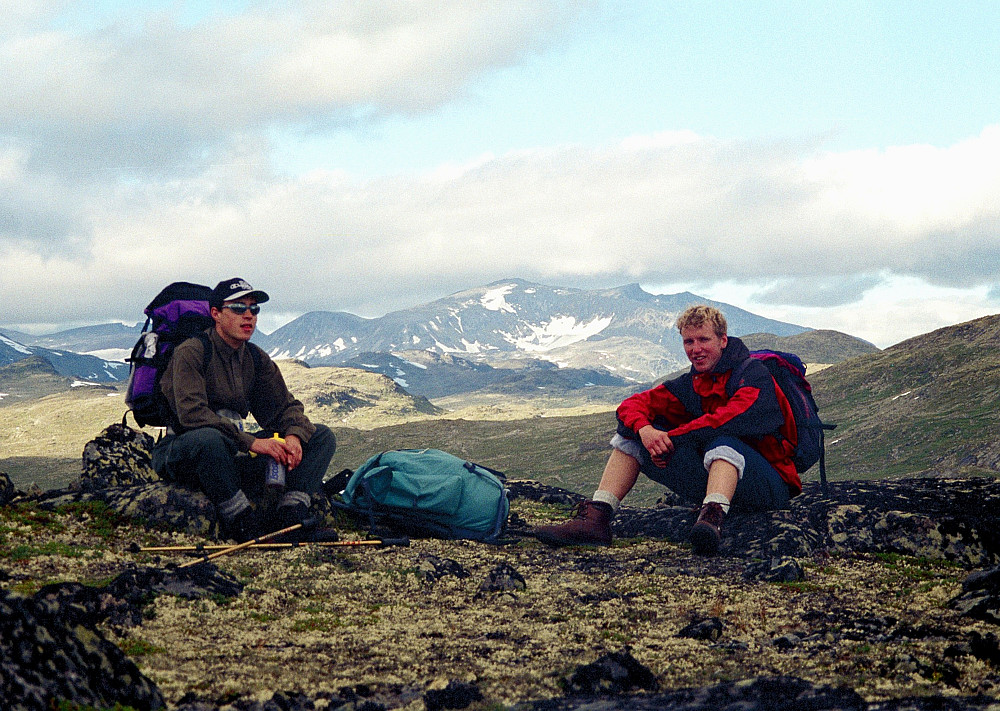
(725, 449)
(204, 439)
(622, 462)
(628, 447)
(323, 442)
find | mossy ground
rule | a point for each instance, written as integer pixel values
(397, 621)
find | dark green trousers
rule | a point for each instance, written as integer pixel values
(206, 459)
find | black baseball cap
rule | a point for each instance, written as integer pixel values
(235, 288)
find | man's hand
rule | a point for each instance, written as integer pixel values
(293, 445)
(657, 443)
(288, 452)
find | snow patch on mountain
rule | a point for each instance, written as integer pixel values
(111, 354)
(467, 347)
(15, 345)
(560, 331)
(305, 353)
(495, 299)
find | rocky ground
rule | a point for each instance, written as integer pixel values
(879, 595)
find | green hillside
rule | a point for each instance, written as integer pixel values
(927, 404)
(568, 452)
(820, 346)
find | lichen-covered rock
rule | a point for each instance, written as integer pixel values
(980, 596)
(120, 602)
(503, 578)
(931, 517)
(51, 654)
(117, 470)
(456, 695)
(789, 538)
(431, 568)
(783, 569)
(535, 491)
(612, 674)
(158, 504)
(709, 628)
(119, 456)
(781, 693)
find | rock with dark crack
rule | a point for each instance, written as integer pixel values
(52, 653)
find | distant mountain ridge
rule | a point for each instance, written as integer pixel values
(517, 319)
(567, 337)
(820, 346)
(65, 363)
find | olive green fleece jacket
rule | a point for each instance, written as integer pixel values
(229, 383)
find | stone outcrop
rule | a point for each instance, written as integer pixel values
(51, 651)
(51, 648)
(933, 517)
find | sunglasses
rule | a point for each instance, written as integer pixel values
(240, 309)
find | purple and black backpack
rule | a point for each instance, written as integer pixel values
(789, 373)
(177, 313)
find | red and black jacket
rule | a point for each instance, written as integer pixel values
(696, 407)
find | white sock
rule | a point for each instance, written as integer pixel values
(718, 499)
(608, 498)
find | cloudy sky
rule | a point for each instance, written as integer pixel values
(833, 164)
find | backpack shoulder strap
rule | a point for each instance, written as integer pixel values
(207, 343)
(258, 358)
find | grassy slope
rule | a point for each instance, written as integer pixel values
(929, 403)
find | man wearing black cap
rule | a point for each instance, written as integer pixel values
(211, 384)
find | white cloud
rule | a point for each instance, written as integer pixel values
(899, 308)
(704, 211)
(148, 91)
(138, 150)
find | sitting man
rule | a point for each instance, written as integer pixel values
(208, 400)
(709, 437)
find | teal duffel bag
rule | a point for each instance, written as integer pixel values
(429, 492)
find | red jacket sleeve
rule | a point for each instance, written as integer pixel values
(650, 406)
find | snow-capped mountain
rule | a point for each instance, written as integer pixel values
(109, 341)
(614, 335)
(66, 363)
(624, 330)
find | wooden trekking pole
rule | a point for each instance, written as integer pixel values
(240, 546)
(405, 542)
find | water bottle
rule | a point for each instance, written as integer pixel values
(274, 475)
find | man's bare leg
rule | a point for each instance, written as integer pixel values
(722, 480)
(620, 474)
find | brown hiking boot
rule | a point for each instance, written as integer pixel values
(590, 526)
(705, 535)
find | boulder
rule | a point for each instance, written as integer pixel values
(52, 653)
